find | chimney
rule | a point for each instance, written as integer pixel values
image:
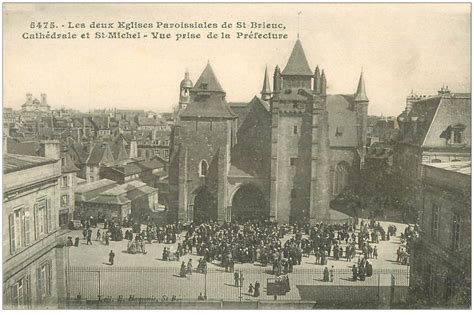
(29, 98)
(44, 100)
(50, 149)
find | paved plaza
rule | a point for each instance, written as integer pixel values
(148, 275)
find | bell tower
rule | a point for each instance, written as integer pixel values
(185, 91)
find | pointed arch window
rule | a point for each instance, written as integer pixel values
(203, 168)
(341, 178)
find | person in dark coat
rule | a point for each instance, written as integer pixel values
(76, 242)
(326, 274)
(236, 278)
(354, 272)
(182, 270)
(256, 292)
(362, 274)
(111, 257)
(369, 269)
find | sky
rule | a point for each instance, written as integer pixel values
(400, 47)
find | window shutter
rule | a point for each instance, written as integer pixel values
(11, 220)
(36, 221)
(27, 284)
(27, 227)
(39, 283)
(49, 217)
(15, 294)
(23, 227)
(49, 276)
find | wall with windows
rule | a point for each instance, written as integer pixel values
(30, 233)
(441, 262)
(67, 184)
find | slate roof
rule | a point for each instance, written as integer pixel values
(17, 162)
(434, 115)
(95, 185)
(69, 166)
(241, 110)
(213, 106)
(461, 167)
(208, 81)
(23, 148)
(342, 120)
(128, 169)
(297, 64)
(451, 111)
(234, 171)
(151, 164)
(97, 153)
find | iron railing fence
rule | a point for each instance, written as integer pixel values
(162, 283)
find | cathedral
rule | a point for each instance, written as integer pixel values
(282, 156)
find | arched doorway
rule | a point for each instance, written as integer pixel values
(204, 205)
(249, 203)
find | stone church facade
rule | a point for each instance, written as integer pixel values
(283, 156)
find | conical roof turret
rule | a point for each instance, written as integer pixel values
(208, 81)
(360, 95)
(297, 64)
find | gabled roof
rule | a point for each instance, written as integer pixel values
(297, 64)
(97, 153)
(208, 81)
(68, 166)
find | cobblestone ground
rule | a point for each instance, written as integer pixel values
(147, 275)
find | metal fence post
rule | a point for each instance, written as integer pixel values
(98, 271)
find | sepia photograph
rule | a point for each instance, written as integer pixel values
(241, 156)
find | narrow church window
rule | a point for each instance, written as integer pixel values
(293, 161)
(203, 168)
(295, 130)
(293, 194)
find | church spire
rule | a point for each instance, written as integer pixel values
(317, 81)
(297, 64)
(323, 83)
(266, 91)
(360, 95)
(208, 81)
(277, 80)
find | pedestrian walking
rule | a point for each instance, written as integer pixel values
(236, 278)
(111, 257)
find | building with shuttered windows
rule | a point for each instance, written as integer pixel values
(33, 254)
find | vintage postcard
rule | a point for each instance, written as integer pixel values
(236, 156)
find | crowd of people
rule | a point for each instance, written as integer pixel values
(260, 242)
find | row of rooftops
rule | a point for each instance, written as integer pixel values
(106, 191)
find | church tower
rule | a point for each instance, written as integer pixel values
(300, 143)
(207, 131)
